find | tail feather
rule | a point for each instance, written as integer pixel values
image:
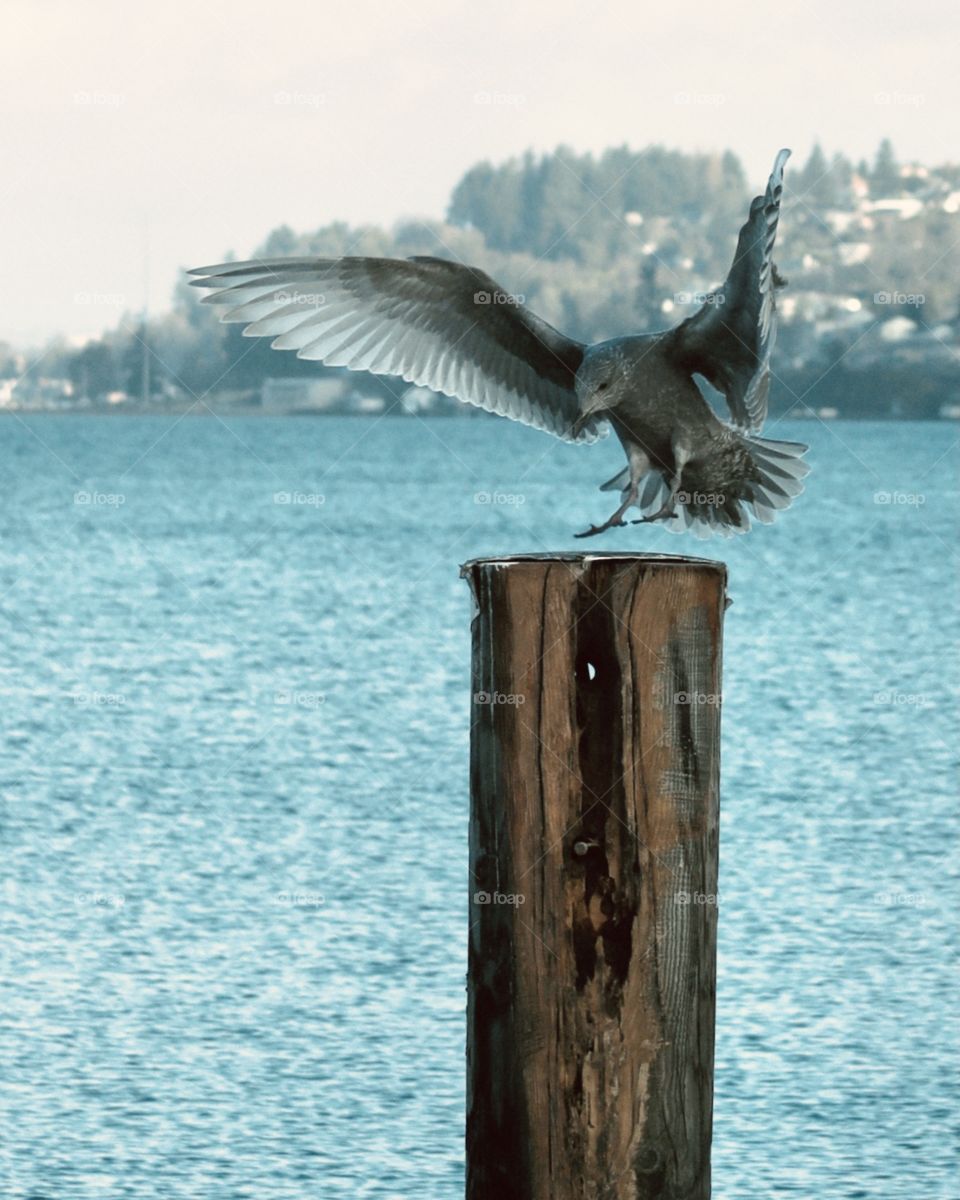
(770, 447)
(618, 482)
(778, 480)
(654, 493)
(779, 471)
(763, 513)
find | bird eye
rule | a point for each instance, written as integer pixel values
(602, 387)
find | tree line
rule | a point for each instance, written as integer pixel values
(597, 244)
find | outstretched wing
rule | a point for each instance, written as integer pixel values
(730, 340)
(435, 323)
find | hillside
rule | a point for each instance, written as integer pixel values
(602, 245)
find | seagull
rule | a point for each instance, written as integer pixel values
(451, 328)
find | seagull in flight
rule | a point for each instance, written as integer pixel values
(451, 328)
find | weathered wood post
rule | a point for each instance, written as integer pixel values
(593, 856)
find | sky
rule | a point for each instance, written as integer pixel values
(135, 142)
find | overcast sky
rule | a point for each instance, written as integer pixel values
(194, 128)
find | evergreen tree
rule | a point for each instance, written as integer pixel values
(885, 176)
(841, 176)
(92, 370)
(812, 184)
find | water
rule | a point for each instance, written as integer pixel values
(234, 788)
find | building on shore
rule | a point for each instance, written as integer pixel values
(304, 395)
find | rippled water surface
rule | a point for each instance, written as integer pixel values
(235, 705)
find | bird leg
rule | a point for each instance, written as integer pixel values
(616, 519)
(664, 513)
(667, 509)
(639, 465)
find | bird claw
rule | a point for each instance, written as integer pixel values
(595, 529)
(662, 515)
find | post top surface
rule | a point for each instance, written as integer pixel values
(584, 558)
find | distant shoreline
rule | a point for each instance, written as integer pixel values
(213, 410)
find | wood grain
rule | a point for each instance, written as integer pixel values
(593, 857)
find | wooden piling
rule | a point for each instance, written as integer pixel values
(593, 889)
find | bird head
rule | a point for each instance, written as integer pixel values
(598, 383)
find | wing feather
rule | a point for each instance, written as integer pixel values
(730, 340)
(432, 322)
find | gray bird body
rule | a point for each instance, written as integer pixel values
(452, 328)
(669, 430)
(647, 398)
